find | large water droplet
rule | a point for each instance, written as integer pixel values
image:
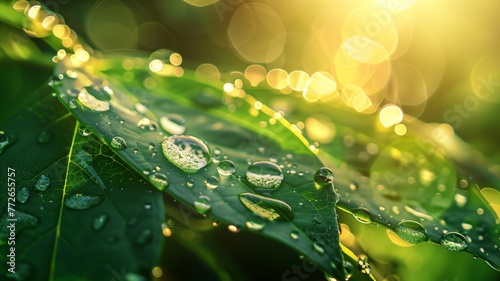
(4, 141)
(23, 195)
(42, 183)
(173, 124)
(411, 231)
(226, 168)
(454, 241)
(159, 180)
(118, 143)
(268, 208)
(44, 137)
(202, 204)
(362, 215)
(81, 201)
(212, 182)
(91, 102)
(264, 174)
(323, 177)
(186, 152)
(144, 236)
(99, 222)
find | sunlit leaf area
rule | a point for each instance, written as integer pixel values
(321, 140)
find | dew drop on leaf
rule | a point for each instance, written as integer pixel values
(323, 177)
(264, 174)
(4, 141)
(118, 143)
(73, 104)
(319, 248)
(81, 201)
(147, 124)
(411, 231)
(233, 228)
(212, 182)
(349, 268)
(294, 234)
(453, 241)
(186, 152)
(159, 180)
(202, 204)
(353, 185)
(226, 168)
(44, 137)
(267, 208)
(144, 237)
(23, 195)
(190, 183)
(362, 215)
(255, 224)
(99, 222)
(84, 131)
(363, 264)
(42, 183)
(91, 102)
(173, 124)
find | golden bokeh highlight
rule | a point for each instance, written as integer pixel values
(257, 33)
(208, 71)
(157, 272)
(485, 79)
(200, 3)
(297, 80)
(356, 98)
(255, 74)
(390, 115)
(277, 78)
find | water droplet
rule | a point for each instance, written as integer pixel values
(363, 264)
(141, 108)
(91, 102)
(73, 104)
(190, 183)
(144, 237)
(256, 224)
(146, 123)
(84, 131)
(23, 195)
(136, 150)
(212, 182)
(186, 152)
(233, 228)
(173, 124)
(99, 222)
(24, 271)
(362, 215)
(42, 183)
(202, 204)
(294, 234)
(349, 268)
(148, 206)
(226, 168)
(264, 174)
(81, 201)
(411, 231)
(44, 137)
(4, 141)
(454, 241)
(118, 143)
(268, 208)
(319, 248)
(159, 180)
(323, 177)
(353, 185)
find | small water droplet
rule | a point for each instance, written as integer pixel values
(294, 234)
(91, 102)
(23, 195)
(233, 228)
(136, 150)
(353, 185)
(4, 141)
(212, 182)
(226, 168)
(319, 248)
(99, 222)
(267, 208)
(186, 152)
(84, 131)
(202, 204)
(82, 202)
(44, 137)
(323, 177)
(141, 108)
(362, 215)
(148, 206)
(118, 143)
(173, 124)
(411, 231)
(363, 264)
(42, 183)
(73, 103)
(256, 224)
(144, 237)
(454, 241)
(147, 124)
(264, 174)
(190, 183)
(159, 180)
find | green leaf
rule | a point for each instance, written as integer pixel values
(297, 211)
(82, 214)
